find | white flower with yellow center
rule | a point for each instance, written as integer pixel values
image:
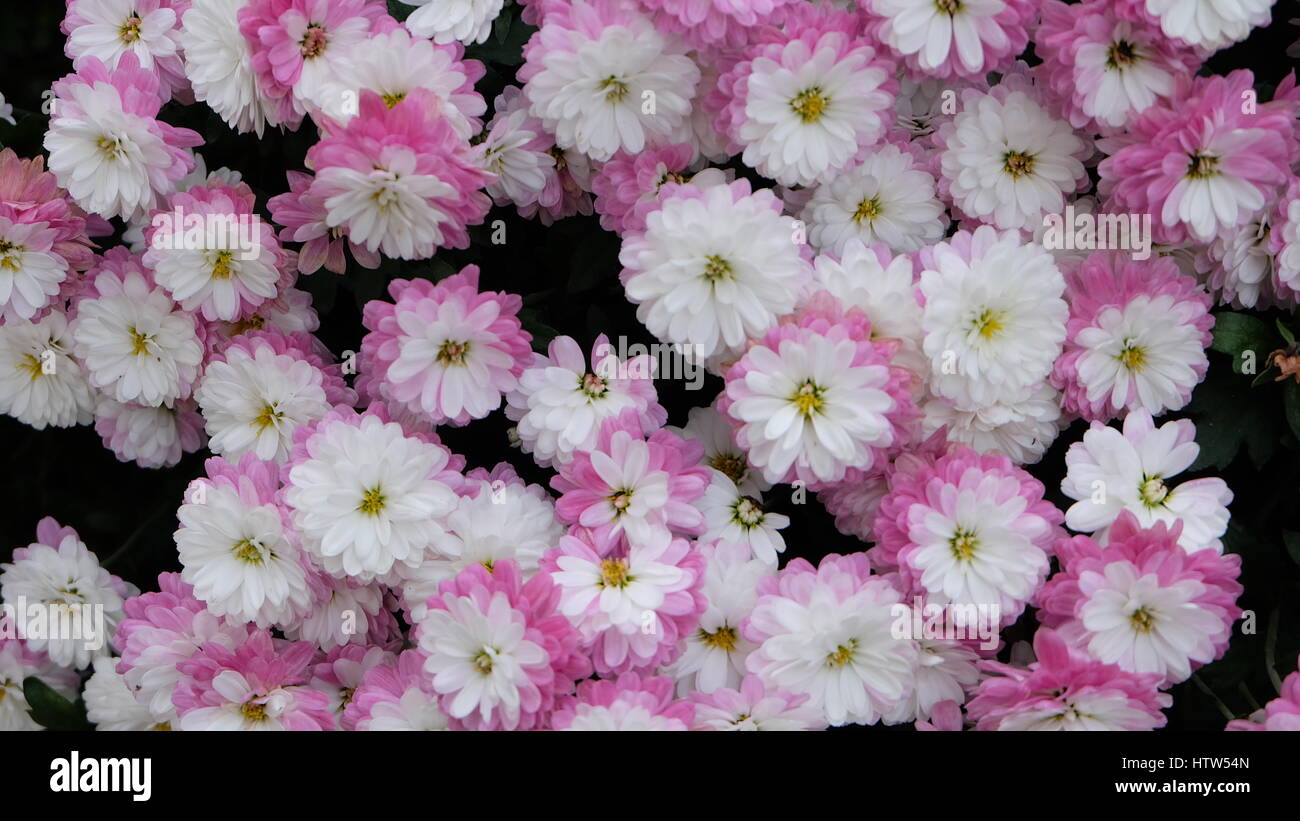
(219, 65)
(115, 27)
(736, 517)
(40, 383)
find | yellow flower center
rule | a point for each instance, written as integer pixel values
(253, 711)
(1153, 491)
(729, 464)
(248, 551)
(724, 638)
(716, 268)
(269, 415)
(988, 323)
(1018, 164)
(867, 210)
(130, 30)
(808, 399)
(747, 513)
(810, 104)
(1132, 357)
(963, 544)
(32, 365)
(1142, 620)
(1202, 166)
(452, 353)
(139, 342)
(615, 89)
(391, 100)
(221, 266)
(1121, 55)
(613, 573)
(843, 654)
(372, 502)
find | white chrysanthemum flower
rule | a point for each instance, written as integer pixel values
(1210, 25)
(920, 100)
(239, 559)
(733, 516)
(254, 402)
(40, 383)
(449, 21)
(712, 430)
(218, 280)
(365, 497)
(886, 293)
(714, 656)
(106, 158)
(595, 98)
(348, 616)
(994, 318)
(1241, 266)
(1109, 472)
(112, 706)
(521, 171)
(1116, 79)
(714, 271)
(17, 664)
(936, 32)
(415, 711)
(114, 27)
(885, 198)
(152, 437)
(1009, 161)
(82, 602)
(944, 671)
(29, 277)
(804, 124)
(1022, 428)
(219, 65)
(599, 593)
(136, 344)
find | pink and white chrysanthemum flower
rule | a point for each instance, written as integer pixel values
(561, 402)
(889, 197)
(994, 317)
(1282, 714)
(149, 29)
(257, 392)
(1065, 689)
(112, 705)
(305, 219)
(1142, 602)
(31, 271)
(40, 383)
(347, 612)
(1110, 471)
(1241, 269)
(219, 65)
(1284, 239)
(499, 650)
(755, 706)
(1206, 26)
(716, 24)
(628, 483)
(452, 21)
(393, 63)
(630, 703)
(237, 547)
(602, 78)
(136, 344)
(295, 46)
(399, 179)
(160, 630)
(714, 267)
(18, 662)
(1200, 164)
(33, 195)
(517, 150)
(152, 437)
(825, 632)
(1022, 425)
(366, 495)
(498, 517)
(628, 186)
(227, 271)
(445, 350)
(59, 571)
(395, 695)
(817, 396)
(632, 602)
(733, 516)
(259, 685)
(712, 430)
(1136, 337)
(342, 672)
(946, 671)
(715, 652)
(106, 145)
(1006, 160)
(954, 38)
(975, 530)
(1104, 71)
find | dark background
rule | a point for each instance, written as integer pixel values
(568, 276)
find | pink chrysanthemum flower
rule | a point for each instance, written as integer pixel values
(152, 437)
(755, 706)
(32, 273)
(518, 151)
(627, 186)
(347, 612)
(826, 632)
(628, 483)
(1103, 68)
(1202, 164)
(633, 602)
(499, 649)
(972, 531)
(1142, 602)
(1206, 27)
(446, 350)
(818, 396)
(295, 46)
(32, 195)
(855, 501)
(804, 104)
(716, 25)
(161, 630)
(395, 695)
(1137, 336)
(1280, 714)
(1284, 238)
(953, 38)
(259, 685)
(305, 219)
(149, 29)
(341, 674)
(1066, 690)
(398, 179)
(629, 703)
(565, 193)
(106, 145)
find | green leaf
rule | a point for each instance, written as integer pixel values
(51, 710)
(1235, 334)
(1286, 332)
(399, 11)
(1230, 416)
(1292, 541)
(1291, 405)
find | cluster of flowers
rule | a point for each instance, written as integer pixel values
(895, 332)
